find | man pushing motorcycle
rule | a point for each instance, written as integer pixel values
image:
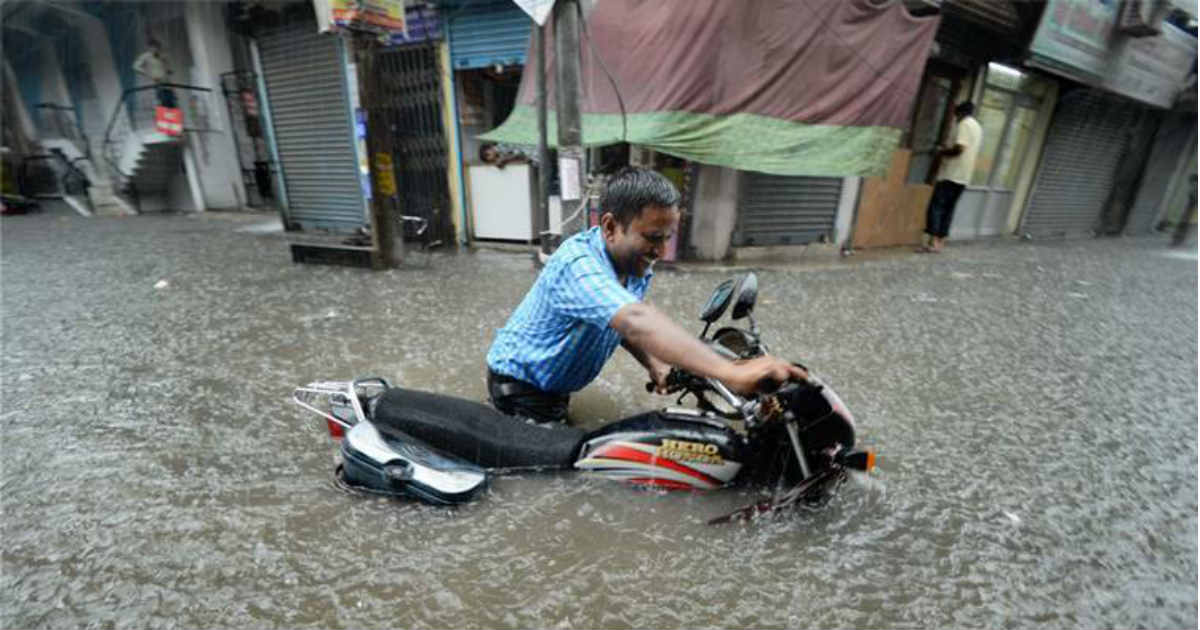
(589, 298)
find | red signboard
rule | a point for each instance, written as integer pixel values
(168, 120)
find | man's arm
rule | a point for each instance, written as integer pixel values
(952, 151)
(657, 369)
(509, 159)
(650, 331)
(960, 142)
(641, 357)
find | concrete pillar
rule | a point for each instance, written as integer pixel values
(454, 154)
(714, 212)
(105, 82)
(219, 173)
(54, 86)
(843, 224)
(195, 189)
(13, 99)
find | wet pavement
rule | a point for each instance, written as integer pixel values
(1034, 405)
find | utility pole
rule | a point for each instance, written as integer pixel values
(541, 221)
(379, 141)
(566, 95)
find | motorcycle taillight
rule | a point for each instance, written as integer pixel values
(336, 431)
(860, 460)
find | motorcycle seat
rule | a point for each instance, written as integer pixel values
(476, 432)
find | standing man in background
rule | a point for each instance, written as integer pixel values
(958, 162)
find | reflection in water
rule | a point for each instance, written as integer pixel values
(1038, 452)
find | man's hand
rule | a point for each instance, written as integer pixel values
(744, 377)
(658, 374)
(951, 151)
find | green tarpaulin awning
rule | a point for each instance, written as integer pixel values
(790, 87)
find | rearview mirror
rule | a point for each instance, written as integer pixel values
(747, 295)
(718, 302)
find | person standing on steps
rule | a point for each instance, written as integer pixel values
(153, 65)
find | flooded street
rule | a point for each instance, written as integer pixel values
(1033, 404)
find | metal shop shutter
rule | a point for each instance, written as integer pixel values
(781, 210)
(1171, 145)
(487, 33)
(1086, 140)
(306, 91)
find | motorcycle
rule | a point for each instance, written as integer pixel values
(797, 438)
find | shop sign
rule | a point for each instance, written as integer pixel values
(168, 120)
(1153, 69)
(1079, 39)
(421, 24)
(385, 175)
(375, 16)
(360, 149)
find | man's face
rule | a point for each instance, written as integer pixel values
(635, 248)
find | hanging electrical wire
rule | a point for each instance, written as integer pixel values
(604, 67)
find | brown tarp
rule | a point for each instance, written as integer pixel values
(721, 80)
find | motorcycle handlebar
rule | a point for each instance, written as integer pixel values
(674, 382)
(768, 385)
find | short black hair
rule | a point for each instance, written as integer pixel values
(633, 188)
(965, 108)
(483, 149)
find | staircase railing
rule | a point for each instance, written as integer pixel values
(134, 113)
(60, 121)
(48, 183)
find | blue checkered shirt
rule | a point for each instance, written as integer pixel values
(559, 338)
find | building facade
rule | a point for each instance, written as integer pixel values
(1080, 138)
(91, 116)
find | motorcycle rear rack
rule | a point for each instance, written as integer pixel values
(337, 395)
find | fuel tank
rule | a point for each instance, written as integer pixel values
(678, 449)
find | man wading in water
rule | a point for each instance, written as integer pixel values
(588, 299)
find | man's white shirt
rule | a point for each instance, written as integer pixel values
(958, 168)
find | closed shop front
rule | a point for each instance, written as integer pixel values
(487, 41)
(487, 33)
(1165, 171)
(780, 210)
(1100, 139)
(307, 95)
(1086, 140)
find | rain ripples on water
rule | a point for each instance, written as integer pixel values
(1038, 459)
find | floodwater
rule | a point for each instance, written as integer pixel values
(1034, 405)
